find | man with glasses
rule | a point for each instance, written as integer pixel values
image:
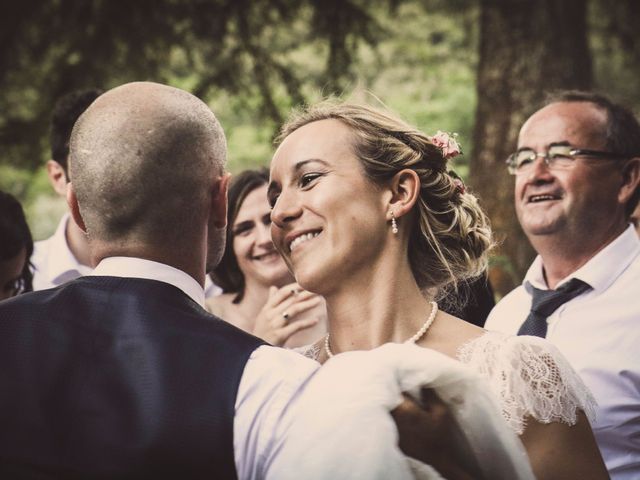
(576, 172)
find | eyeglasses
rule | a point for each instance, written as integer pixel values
(556, 157)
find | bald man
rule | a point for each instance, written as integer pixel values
(122, 373)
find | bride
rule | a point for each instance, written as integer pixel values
(366, 214)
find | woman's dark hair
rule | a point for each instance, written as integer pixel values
(14, 236)
(227, 274)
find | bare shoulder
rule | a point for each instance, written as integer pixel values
(449, 333)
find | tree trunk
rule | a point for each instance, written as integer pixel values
(527, 48)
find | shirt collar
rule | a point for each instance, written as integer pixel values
(63, 266)
(599, 272)
(131, 267)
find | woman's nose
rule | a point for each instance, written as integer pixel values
(263, 234)
(286, 209)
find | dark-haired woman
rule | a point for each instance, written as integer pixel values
(259, 293)
(16, 247)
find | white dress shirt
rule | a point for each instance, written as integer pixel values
(599, 334)
(270, 384)
(53, 262)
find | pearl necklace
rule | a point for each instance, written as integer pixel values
(418, 335)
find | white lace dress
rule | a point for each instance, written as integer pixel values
(528, 376)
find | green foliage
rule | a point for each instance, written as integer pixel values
(15, 181)
(425, 69)
(616, 49)
(252, 61)
(233, 47)
(42, 206)
(243, 57)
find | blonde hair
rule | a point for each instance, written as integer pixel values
(450, 234)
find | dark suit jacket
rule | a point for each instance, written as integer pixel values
(108, 377)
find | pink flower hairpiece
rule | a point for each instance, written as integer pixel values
(460, 188)
(447, 144)
(457, 181)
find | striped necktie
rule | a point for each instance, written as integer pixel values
(545, 302)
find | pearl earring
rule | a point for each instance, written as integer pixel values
(394, 224)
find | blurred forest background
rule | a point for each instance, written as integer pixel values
(476, 67)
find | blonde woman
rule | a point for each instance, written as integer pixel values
(366, 214)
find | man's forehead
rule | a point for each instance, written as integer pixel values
(572, 122)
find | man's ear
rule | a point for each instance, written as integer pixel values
(74, 208)
(219, 201)
(630, 180)
(57, 177)
(405, 189)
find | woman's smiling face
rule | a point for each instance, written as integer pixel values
(328, 219)
(257, 258)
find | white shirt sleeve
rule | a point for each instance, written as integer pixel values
(272, 380)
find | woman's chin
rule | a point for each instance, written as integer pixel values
(282, 279)
(312, 283)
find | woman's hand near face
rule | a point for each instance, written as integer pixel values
(277, 320)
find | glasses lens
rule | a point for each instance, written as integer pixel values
(560, 156)
(523, 159)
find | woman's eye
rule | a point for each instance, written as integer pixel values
(307, 178)
(242, 230)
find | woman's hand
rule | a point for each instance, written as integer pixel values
(277, 320)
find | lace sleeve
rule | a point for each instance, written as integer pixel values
(531, 379)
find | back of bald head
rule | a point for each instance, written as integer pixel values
(143, 159)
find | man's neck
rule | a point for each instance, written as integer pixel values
(191, 262)
(77, 242)
(562, 257)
